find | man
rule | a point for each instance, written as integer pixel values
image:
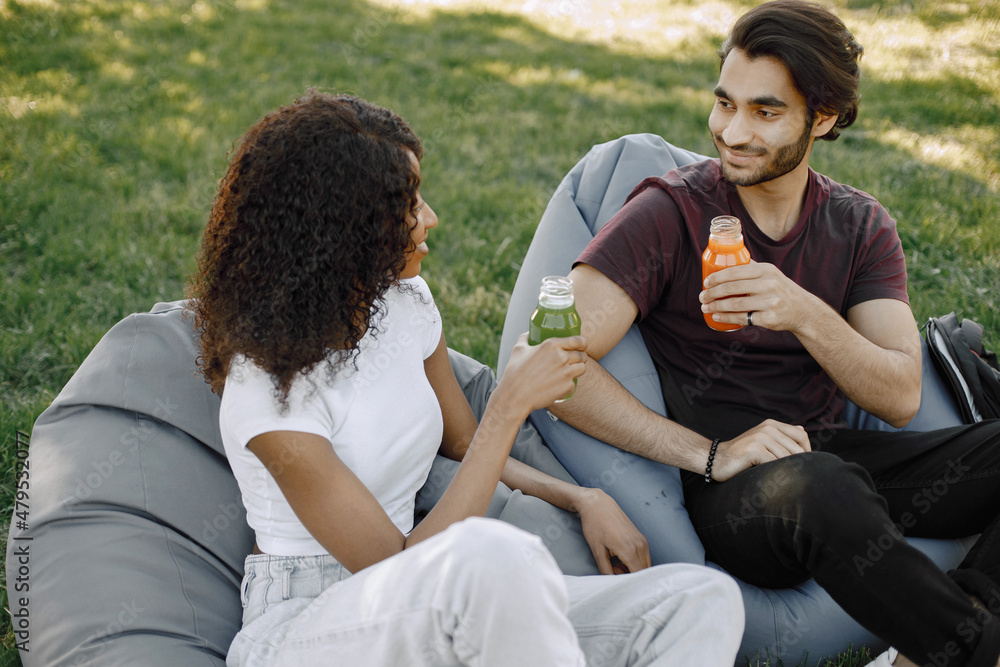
(826, 315)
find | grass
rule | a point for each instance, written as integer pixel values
(116, 117)
(849, 658)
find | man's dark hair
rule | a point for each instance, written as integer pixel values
(814, 45)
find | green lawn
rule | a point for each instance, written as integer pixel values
(116, 117)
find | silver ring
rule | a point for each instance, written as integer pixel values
(750, 319)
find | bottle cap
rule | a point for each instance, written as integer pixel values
(726, 227)
(556, 292)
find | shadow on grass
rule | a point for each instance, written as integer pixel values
(932, 13)
(150, 101)
(117, 117)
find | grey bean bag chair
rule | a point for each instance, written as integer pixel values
(135, 538)
(789, 625)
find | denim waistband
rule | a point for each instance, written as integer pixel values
(270, 580)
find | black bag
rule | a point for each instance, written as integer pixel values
(970, 371)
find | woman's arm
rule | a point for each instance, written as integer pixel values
(342, 514)
(334, 505)
(607, 529)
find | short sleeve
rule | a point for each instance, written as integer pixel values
(251, 407)
(635, 249)
(881, 272)
(425, 319)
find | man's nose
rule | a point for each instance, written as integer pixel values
(737, 132)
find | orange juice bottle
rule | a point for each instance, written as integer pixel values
(725, 249)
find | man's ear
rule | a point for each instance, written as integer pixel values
(823, 124)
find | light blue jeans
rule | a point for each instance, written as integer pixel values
(482, 593)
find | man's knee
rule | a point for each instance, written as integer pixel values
(811, 481)
(815, 491)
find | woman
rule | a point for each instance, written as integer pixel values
(337, 395)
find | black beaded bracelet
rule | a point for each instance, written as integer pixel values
(711, 460)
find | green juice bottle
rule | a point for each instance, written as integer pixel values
(555, 316)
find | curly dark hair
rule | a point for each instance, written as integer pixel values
(817, 48)
(309, 229)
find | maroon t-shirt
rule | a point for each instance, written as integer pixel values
(844, 249)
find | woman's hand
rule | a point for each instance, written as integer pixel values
(538, 375)
(616, 543)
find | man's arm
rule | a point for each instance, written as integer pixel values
(604, 409)
(884, 375)
(601, 406)
(873, 356)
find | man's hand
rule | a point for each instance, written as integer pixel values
(873, 355)
(777, 302)
(610, 534)
(768, 441)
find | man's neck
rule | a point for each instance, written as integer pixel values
(776, 205)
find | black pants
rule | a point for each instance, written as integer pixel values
(839, 513)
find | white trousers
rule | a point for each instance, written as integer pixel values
(482, 594)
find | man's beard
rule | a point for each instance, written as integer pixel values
(785, 159)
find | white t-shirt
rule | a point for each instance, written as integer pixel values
(382, 419)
